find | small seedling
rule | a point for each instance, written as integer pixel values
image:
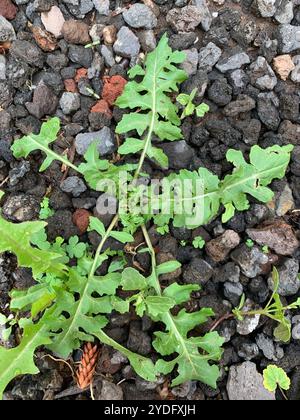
(189, 107)
(274, 310)
(199, 242)
(45, 211)
(265, 249)
(183, 243)
(250, 243)
(274, 377)
(162, 230)
(92, 92)
(92, 44)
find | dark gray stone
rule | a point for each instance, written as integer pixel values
(289, 283)
(127, 43)
(73, 185)
(104, 138)
(198, 272)
(140, 16)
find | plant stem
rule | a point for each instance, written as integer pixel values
(169, 316)
(102, 243)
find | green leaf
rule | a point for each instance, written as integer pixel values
(275, 376)
(199, 242)
(76, 249)
(143, 367)
(159, 304)
(201, 200)
(36, 299)
(133, 280)
(159, 156)
(229, 212)
(20, 360)
(77, 319)
(180, 293)
(16, 238)
(95, 170)
(97, 226)
(122, 237)
(131, 145)
(154, 110)
(201, 110)
(283, 331)
(183, 99)
(27, 144)
(168, 267)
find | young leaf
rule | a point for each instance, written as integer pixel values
(180, 293)
(159, 304)
(76, 249)
(167, 267)
(183, 99)
(16, 238)
(97, 225)
(206, 192)
(157, 113)
(20, 360)
(27, 144)
(133, 280)
(122, 237)
(199, 242)
(95, 170)
(201, 110)
(45, 211)
(275, 376)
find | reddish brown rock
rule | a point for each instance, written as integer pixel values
(80, 74)
(76, 32)
(8, 9)
(44, 39)
(277, 235)
(218, 249)
(81, 218)
(113, 88)
(103, 108)
(70, 85)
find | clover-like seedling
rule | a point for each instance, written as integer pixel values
(250, 243)
(162, 230)
(45, 211)
(274, 377)
(189, 107)
(199, 242)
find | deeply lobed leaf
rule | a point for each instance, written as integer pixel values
(154, 110)
(17, 238)
(20, 360)
(207, 192)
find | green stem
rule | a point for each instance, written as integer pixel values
(56, 156)
(101, 245)
(158, 290)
